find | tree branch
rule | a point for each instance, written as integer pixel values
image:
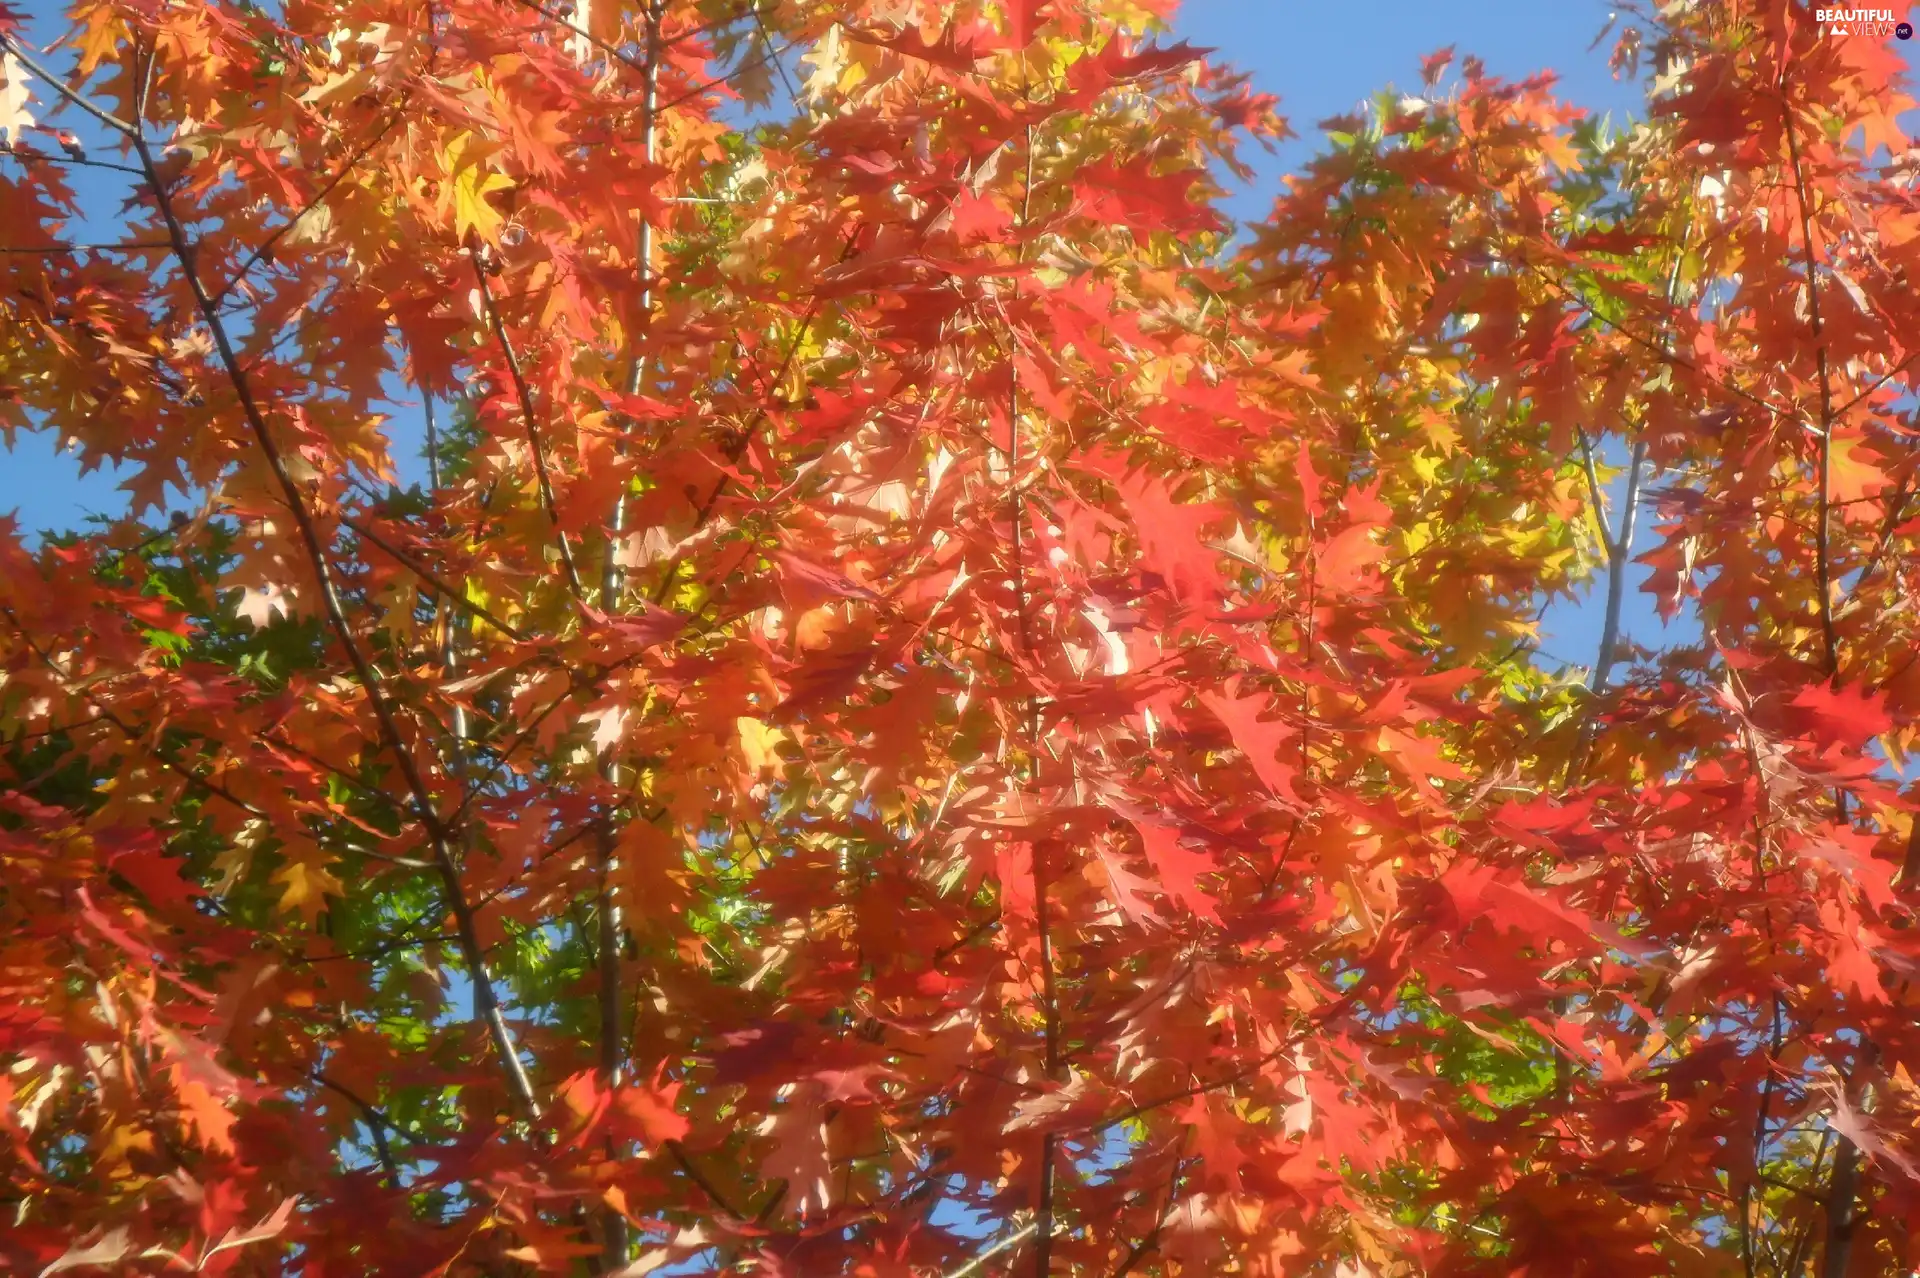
(1822, 561)
(377, 1123)
(1012, 1240)
(59, 86)
(326, 189)
(486, 1005)
(426, 574)
(1843, 1188)
(613, 1039)
(528, 415)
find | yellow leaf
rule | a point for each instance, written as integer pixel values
(758, 743)
(469, 184)
(101, 35)
(1853, 474)
(304, 888)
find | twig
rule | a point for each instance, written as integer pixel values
(377, 1123)
(528, 415)
(1013, 1239)
(1896, 509)
(655, 46)
(426, 574)
(1599, 511)
(752, 425)
(59, 86)
(266, 246)
(486, 1004)
(1152, 1238)
(679, 1155)
(1198, 1089)
(40, 157)
(1664, 351)
(133, 738)
(30, 250)
(1049, 991)
(1822, 555)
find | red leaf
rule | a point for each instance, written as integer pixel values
(107, 928)
(951, 50)
(1261, 740)
(977, 219)
(1852, 715)
(827, 677)
(157, 878)
(644, 1113)
(1178, 866)
(1173, 543)
(1129, 890)
(1346, 561)
(808, 584)
(1137, 197)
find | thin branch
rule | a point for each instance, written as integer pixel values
(615, 1237)
(1876, 384)
(1803, 1237)
(1910, 863)
(739, 447)
(576, 681)
(326, 189)
(971, 935)
(655, 45)
(1767, 1088)
(1599, 511)
(1152, 1238)
(133, 738)
(1617, 552)
(1012, 1240)
(377, 1123)
(1801, 1190)
(1842, 1220)
(59, 86)
(1657, 348)
(1822, 552)
(41, 157)
(1198, 1089)
(1896, 509)
(486, 1004)
(54, 250)
(771, 54)
(426, 574)
(1619, 546)
(766, 36)
(686, 1164)
(1843, 1188)
(529, 416)
(1049, 990)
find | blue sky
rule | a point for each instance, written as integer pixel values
(1325, 59)
(1321, 59)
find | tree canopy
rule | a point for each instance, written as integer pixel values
(936, 706)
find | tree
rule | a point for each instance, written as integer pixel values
(938, 711)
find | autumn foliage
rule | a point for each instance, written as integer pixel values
(933, 709)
